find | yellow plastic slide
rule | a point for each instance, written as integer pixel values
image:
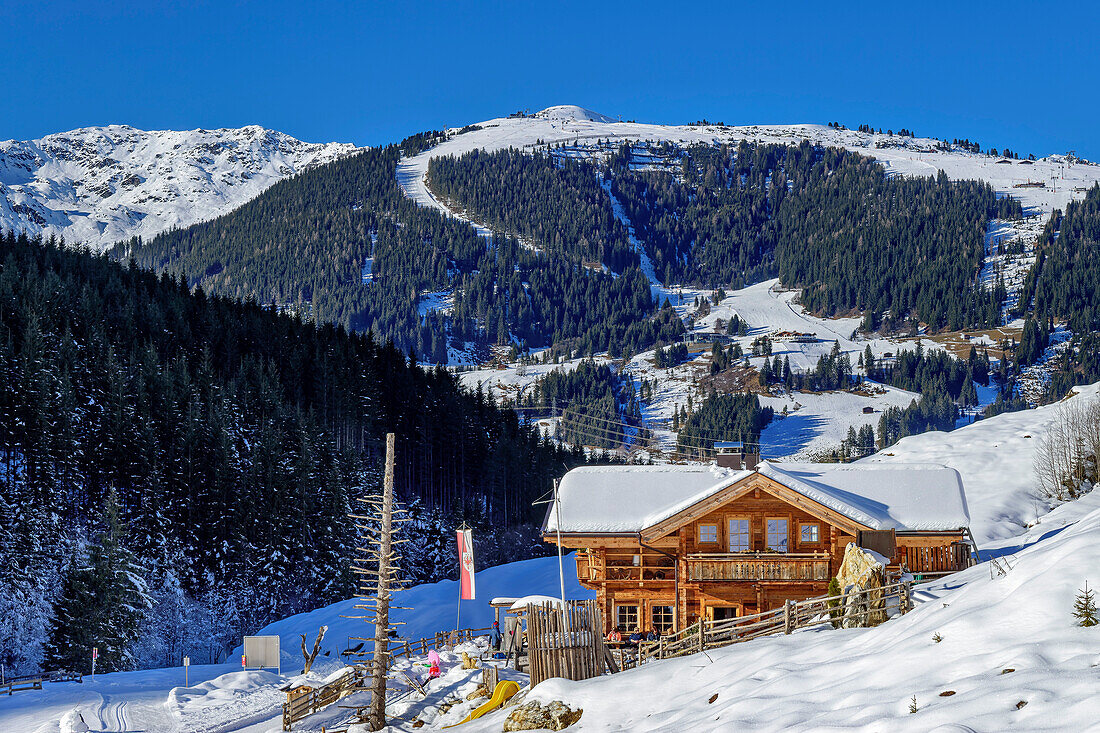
(502, 694)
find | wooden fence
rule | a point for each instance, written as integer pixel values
(306, 702)
(566, 642)
(704, 635)
(34, 681)
(16, 684)
(443, 638)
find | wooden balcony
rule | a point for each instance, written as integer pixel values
(759, 566)
(624, 565)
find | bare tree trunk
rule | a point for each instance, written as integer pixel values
(310, 656)
(380, 665)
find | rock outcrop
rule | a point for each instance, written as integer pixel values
(533, 715)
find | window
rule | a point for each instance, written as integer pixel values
(708, 534)
(777, 535)
(661, 616)
(810, 534)
(626, 618)
(721, 613)
(739, 535)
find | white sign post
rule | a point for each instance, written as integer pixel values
(186, 664)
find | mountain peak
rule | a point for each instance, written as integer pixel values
(99, 185)
(572, 112)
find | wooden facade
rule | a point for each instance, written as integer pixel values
(745, 549)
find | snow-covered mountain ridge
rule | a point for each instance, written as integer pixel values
(98, 185)
(1041, 185)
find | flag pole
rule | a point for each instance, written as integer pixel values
(557, 521)
(458, 611)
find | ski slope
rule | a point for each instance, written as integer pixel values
(900, 155)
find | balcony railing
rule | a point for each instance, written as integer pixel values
(625, 566)
(759, 566)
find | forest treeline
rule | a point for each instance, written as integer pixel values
(342, 244)
(596, 406)
(216, 446)
(826, 220)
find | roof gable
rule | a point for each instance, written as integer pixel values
(740, 488)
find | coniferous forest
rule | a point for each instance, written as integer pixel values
(168, 455)
(307, 243)
(822, 219)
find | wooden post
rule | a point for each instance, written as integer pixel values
(787, 626)
(383, 585)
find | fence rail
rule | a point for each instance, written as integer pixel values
(308, 701)
(703, 635)
(443, 638)
(302, 704)
(34, 681)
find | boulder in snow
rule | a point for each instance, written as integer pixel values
(555, 715)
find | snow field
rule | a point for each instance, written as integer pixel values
(996, 459)
(101, 185)
(900, 155)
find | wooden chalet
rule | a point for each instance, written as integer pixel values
(663, 546)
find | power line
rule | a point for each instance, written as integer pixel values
(698, 440)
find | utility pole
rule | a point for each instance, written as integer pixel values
(557, 522)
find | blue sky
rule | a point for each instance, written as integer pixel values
(1004, 74)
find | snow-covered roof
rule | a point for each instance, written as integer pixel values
(628, 499)
(902, 496)
(535, 600)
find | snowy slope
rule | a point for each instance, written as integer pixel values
(813, 422)
(1015, 616)
(97, 185)
(900, 155)
(996, 458)
(434, 607)
(222, 698)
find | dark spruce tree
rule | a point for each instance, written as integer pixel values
(101, 605)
